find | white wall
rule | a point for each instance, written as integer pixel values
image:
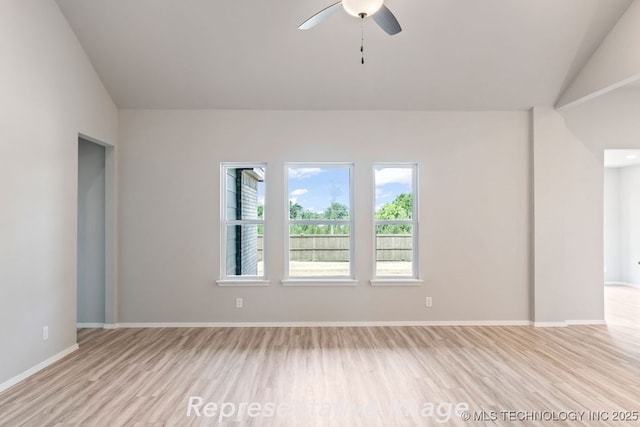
(550, 189)
(584, 131)
(474, 202)
(476, 184)
(50, 92)
(611, 218)
(568, 223)
(607, 122)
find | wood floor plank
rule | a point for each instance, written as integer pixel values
(131, 377)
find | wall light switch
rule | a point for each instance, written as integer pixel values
(45, 333)
(428, 302)
(239, 302)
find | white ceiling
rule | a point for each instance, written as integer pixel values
(621, 158)
(249, 54)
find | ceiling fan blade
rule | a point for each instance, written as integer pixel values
(320, 16)
(385, 20)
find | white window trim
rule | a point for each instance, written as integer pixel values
(233, 280)
(349, 280)
(414, 279)
(319, 282)
(243, 282)
(399, 281)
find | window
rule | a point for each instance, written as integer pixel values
(243, 226)
(396, 226)
(320, 221)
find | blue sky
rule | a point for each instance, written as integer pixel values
(314, 188)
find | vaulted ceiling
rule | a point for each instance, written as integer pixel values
(249, 54)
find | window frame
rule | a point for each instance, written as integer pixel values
(227, 279)
(343, 280)
(414, 278)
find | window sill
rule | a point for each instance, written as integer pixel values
(396, 282)
(319, 282)
(243, 283)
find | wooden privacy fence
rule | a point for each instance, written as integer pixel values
(335, 247)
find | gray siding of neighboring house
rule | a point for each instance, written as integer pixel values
(231, 214)
(242, 242)
(249, 244)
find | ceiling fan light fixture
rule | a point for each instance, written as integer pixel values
(359, 7)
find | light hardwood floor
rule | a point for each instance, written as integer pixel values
(146, 376)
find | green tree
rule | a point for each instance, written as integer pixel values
(295, 210)
(260, 216)
(336, 211)
(400, 208)
(310, 215)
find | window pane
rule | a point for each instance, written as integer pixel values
(319, 250)
(394, 250)
(245, 193)
(319, 192)
(394, 192)
(244, 250)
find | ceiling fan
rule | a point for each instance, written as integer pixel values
(360, 9)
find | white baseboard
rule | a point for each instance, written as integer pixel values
(40, 366)
(629, 285)
(352, 324)
(550, 324)
(89, 325)
(586, 322)
(569, 323)
(317, 324)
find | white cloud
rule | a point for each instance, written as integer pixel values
(299, 192)
(302, 173)
(293, 200)
(393, 176)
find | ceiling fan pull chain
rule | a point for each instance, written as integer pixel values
(362, 15)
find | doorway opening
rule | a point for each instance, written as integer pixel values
(622, 236)
(91, 251)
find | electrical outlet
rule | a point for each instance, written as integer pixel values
(428, 302)
(239, 302)
(45, 333)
